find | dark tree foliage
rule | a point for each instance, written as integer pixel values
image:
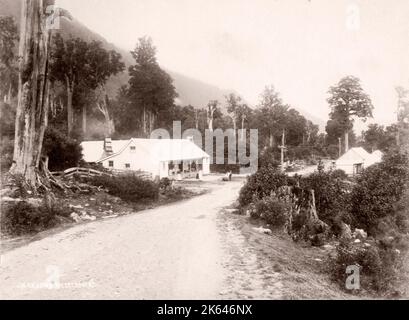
(63, 152)
(378, 190)
(150, 92)
(347, 101)
(376, 137)
(266, 180)
(81, 67)
(331, 194)
(8, 65)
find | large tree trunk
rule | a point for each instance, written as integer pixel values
(151, 121)
(144, 122)
(33, 88)
(102, 104)
(8, 99)
(346, 141)
(197, 119)
(271, 140)
(84, 120)
(70, 111)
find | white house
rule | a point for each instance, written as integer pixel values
(160, 157)
(356, 159)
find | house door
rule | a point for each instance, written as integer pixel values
(358, 168)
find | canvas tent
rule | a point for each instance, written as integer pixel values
(356, 159)
(160, 157)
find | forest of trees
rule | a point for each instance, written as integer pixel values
(74, 93)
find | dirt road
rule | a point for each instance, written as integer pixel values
(171, 252)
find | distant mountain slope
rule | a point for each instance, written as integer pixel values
(191, 91)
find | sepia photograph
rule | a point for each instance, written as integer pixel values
(209, 154)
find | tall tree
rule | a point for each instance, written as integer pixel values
(348, 100)
(377, 137)
(271, 116)
(151, 89)
(233, 102)
(77, 63)
(32, 108)
(8, 63)
(211, 110)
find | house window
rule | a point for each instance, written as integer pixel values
(133, 148)
(127, 165)
(110, 164)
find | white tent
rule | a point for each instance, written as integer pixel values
(356, 159)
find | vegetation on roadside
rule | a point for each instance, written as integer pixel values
(374, 204)
(128, 187)
(31, 216)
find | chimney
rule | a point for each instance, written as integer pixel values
(108, 146)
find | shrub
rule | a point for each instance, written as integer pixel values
(23, 217)
(165, 183)
(175, 194)
(331, 194)
(378, 191)
(272, 210)
(128, 187)
(339, 174)
(380, 263)
(262, 183)
(63, 152)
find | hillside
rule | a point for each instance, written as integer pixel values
(191, 91)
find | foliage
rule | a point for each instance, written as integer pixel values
(272, 210)
(331, 194)
(335, 129)
(24, 217)
(128, 187)
(6, 153)
(380, 263)
(265, 181)
(378, 190)
(82, 67)
(83, 64)
(8, 66)
(7, 120)
(63, 152)
(165, 183)
(151, 91)
(347, 101)
(376, 137)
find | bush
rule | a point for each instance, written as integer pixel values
(128, 187)
(339, 174)
(272, 210)
(331, 194)
(165, 183)
(380, 263)
(262, 183)
(62, 151)
(378, 191)
(26, 218)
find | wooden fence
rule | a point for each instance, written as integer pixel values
(88, 172)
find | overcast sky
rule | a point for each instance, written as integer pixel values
(301, 47)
